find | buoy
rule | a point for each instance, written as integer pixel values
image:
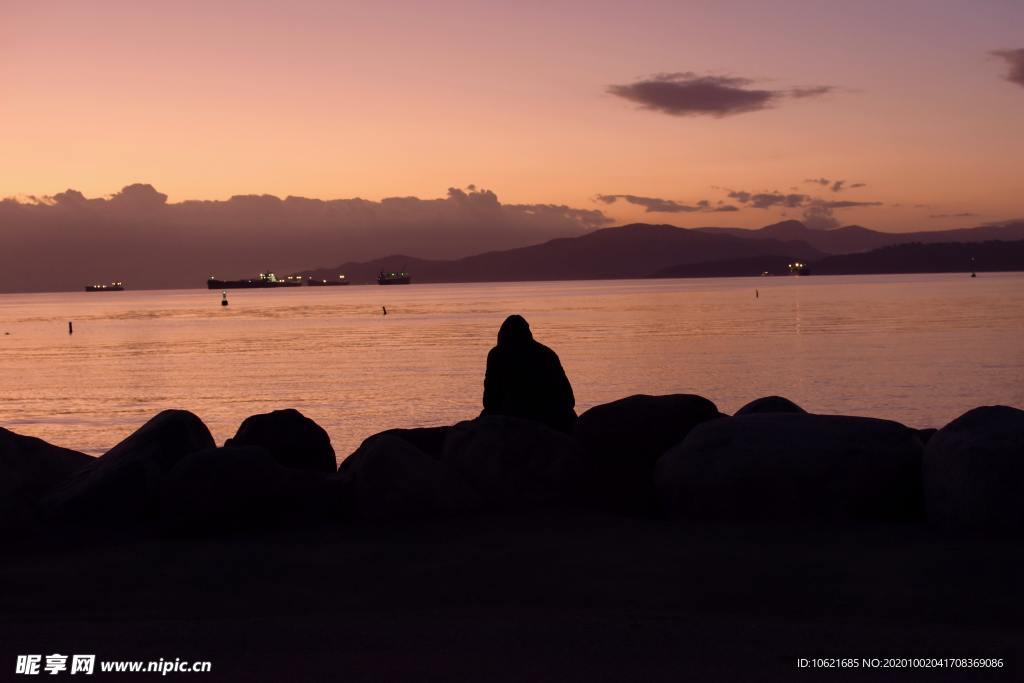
(974, 275)
(224, 299)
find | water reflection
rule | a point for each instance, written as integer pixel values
(920, 349)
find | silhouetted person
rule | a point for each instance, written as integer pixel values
(525, 379)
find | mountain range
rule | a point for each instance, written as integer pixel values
(642, 250)
(855, 238)
(636, 250)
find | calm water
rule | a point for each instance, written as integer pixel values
(921, 349)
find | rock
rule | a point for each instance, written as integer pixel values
(770, 404)
(514, 462)
(974, 471)
(290, 437)
(525, 379)
(241, 487)
(623, 439)
(29, 467)
(124, 485)
(794, 466)
(388, 477)
(429, 440)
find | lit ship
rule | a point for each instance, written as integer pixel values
(314, 282)
(401, 278)
(264, 281)
(112, 287)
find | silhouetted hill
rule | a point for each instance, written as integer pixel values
(744, 267)
(952, 257)
(855, 238)
(630, 251)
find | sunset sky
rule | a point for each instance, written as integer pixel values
(678, 107)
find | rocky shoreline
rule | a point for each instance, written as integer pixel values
(657, 540)
(663, 457)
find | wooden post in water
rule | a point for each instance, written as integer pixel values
(71, 329)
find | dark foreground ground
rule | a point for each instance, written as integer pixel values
(572, 596)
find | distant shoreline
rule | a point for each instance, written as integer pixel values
(813, 276)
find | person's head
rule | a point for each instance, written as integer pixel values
(515, 330)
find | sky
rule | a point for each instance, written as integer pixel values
(897, 115)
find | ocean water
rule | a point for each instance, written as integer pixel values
(921, 349)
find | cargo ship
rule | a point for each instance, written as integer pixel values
(112, 287)
(400, 278)
(317, 282)
(264, 281)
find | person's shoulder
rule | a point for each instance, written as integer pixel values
(546, 353)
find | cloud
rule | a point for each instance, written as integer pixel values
(658, 205)
(844, 204)
(813, 91)
(767, 200)
(818, 216)
(1003, 223)
(1015, 60)
(138, 196)
(834, 185)
(650, 204)
(964, 214)
(138, 236)
(689, 94)
(818, 213)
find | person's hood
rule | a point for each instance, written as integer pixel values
(515, 330)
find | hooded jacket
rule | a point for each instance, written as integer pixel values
(524, 378)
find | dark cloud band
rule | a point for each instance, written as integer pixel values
(659, 205)
(689, 94)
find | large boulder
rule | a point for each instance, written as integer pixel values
(779, 466)
(974, 471)
(29, 467)
(623, 439)
(770, 404)
(388, 477)
(290, 437)
(515, 462)
(124, 484)
(429, 440)
(241, 487)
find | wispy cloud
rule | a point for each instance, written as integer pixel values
(834, 185)
(818, 213)
(767, 200)
(659, 205)
(1015, 60)
(689, 94)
